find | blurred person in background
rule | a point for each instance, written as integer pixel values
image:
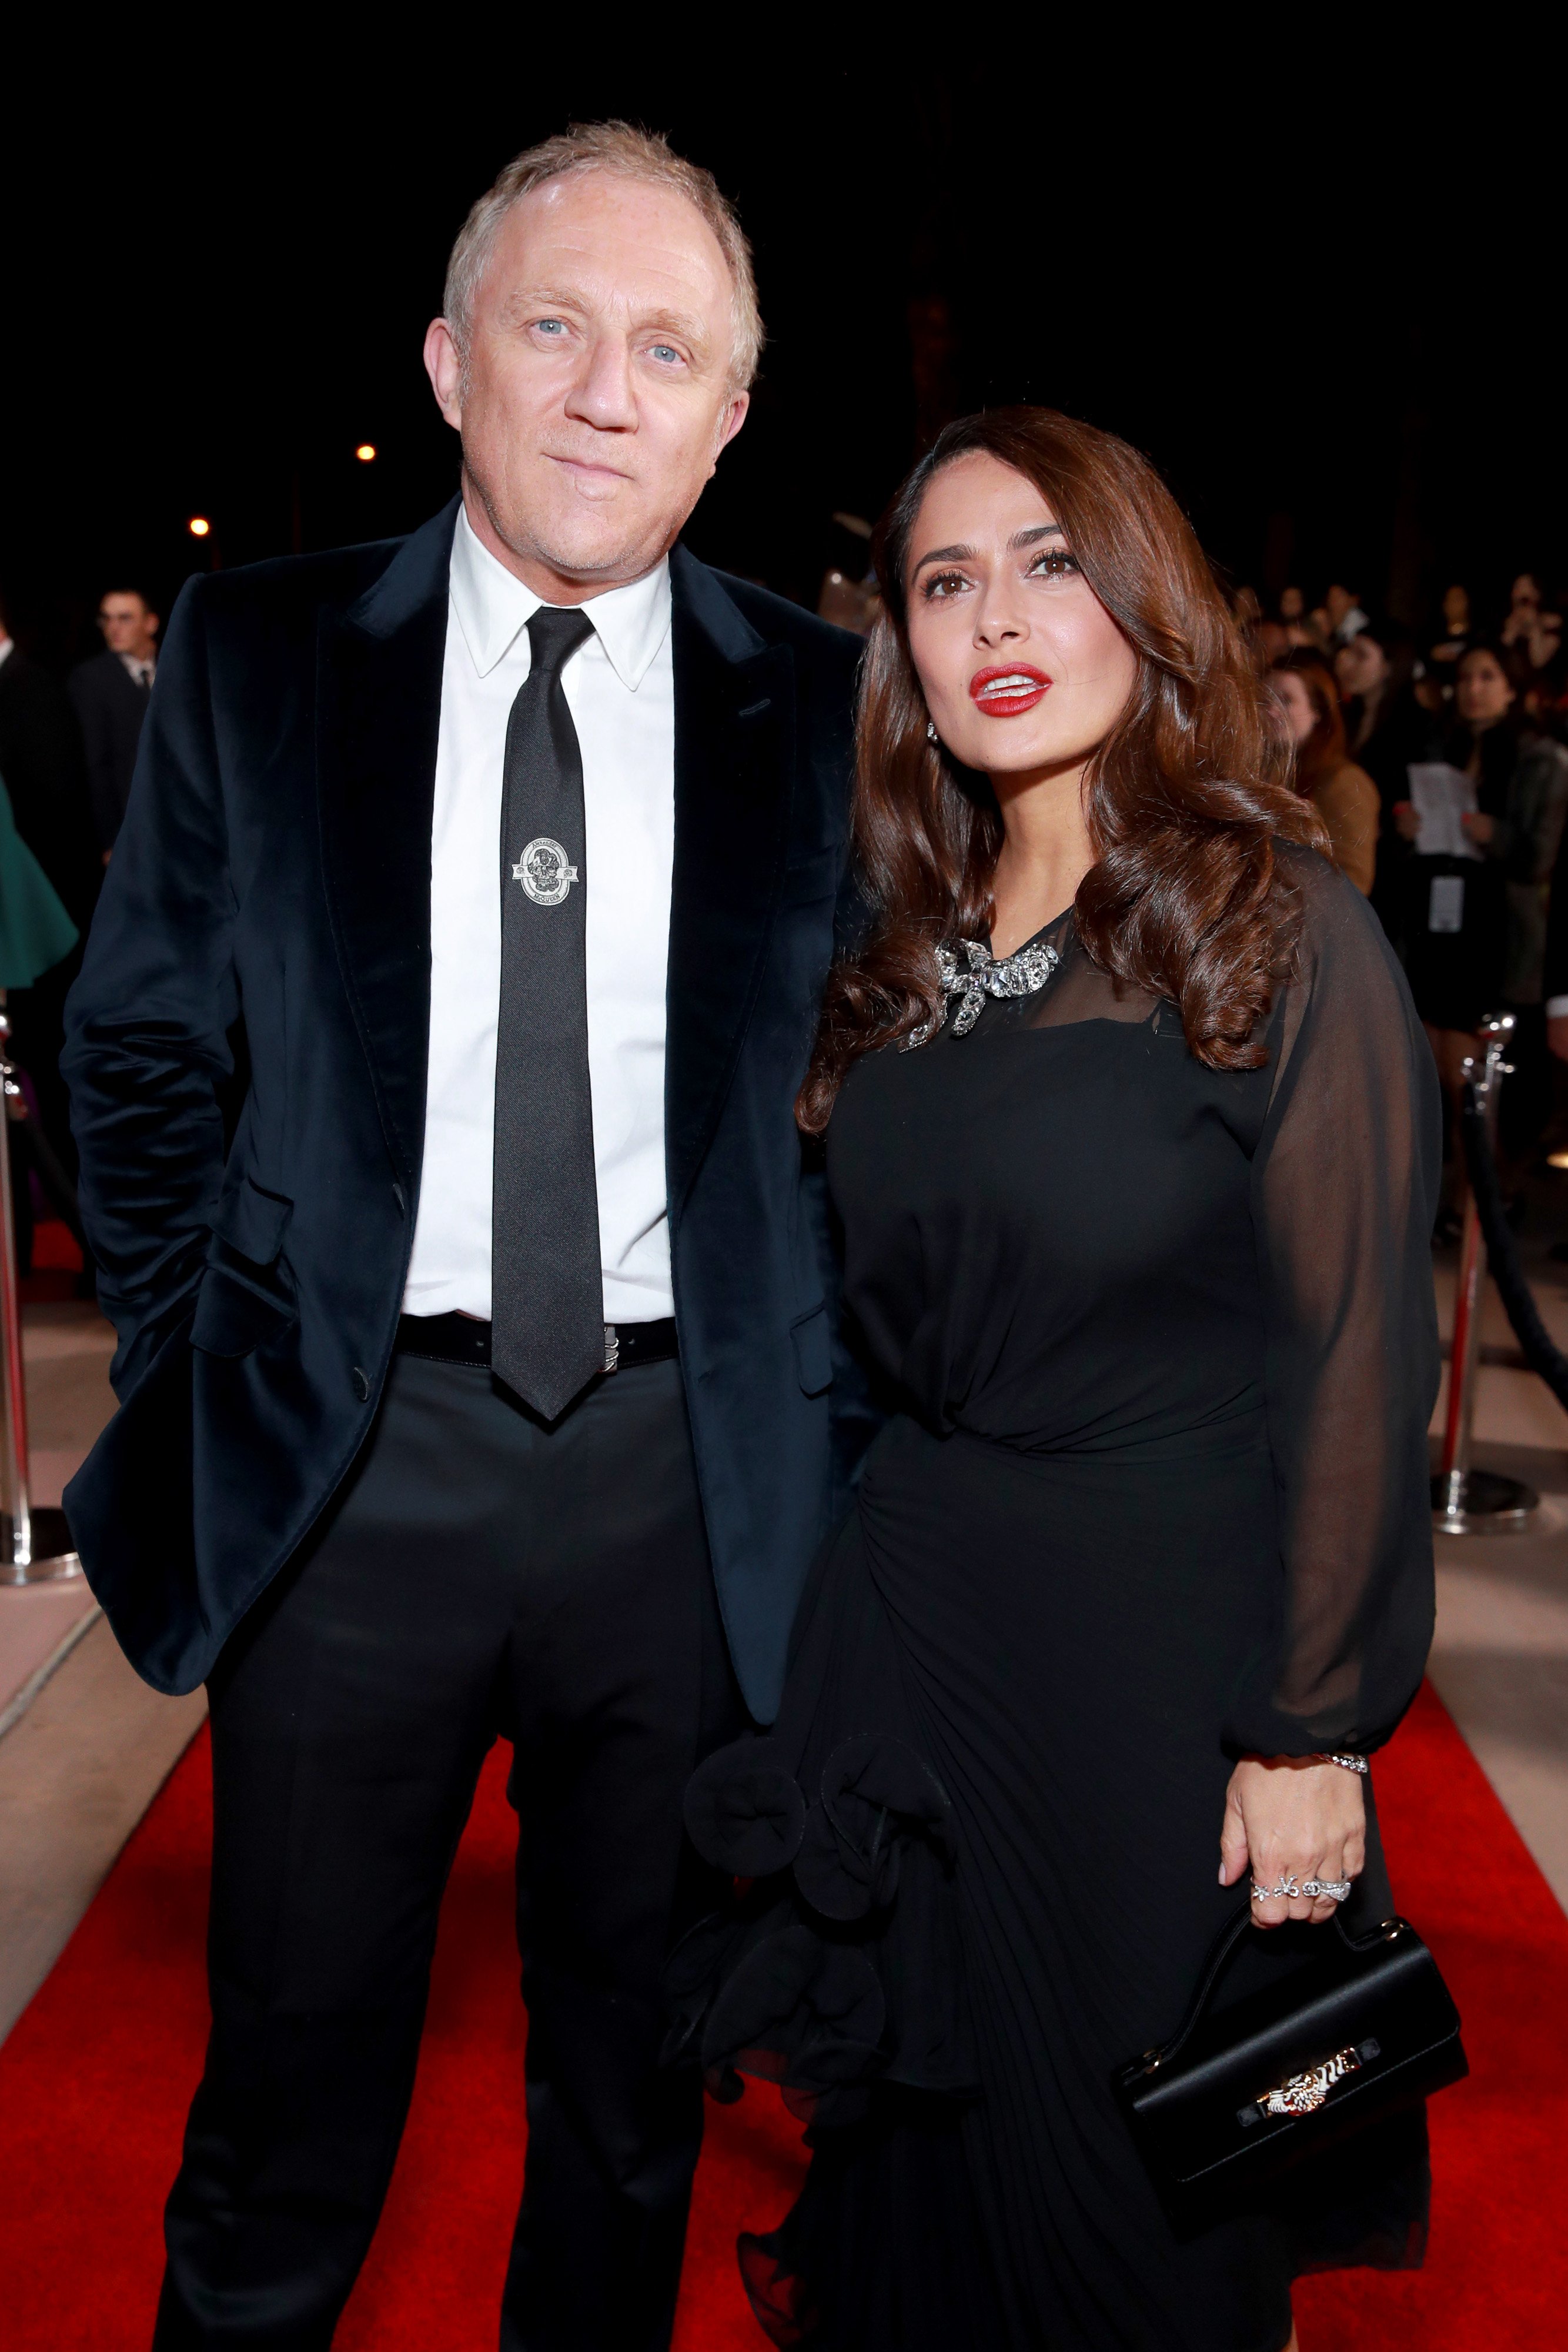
(110, 693)
(1385, 730)
(1535, 633)
(1455, 632)
(36, 934)
(1343, 794)
(1292, 618)
(1342, 607)
(45, 778)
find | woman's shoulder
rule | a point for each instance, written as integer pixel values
(1337, 932)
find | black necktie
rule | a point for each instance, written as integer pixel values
(546, 1339)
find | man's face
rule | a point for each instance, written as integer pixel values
(127, 627)
(595, 395)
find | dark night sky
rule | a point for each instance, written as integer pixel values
(1327, 313)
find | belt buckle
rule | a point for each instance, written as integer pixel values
(612, 1349)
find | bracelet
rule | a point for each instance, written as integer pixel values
(1347, 1763)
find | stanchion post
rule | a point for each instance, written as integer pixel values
(1466, 1501)
(36, 1547)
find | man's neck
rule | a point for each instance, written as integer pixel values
(551, 586)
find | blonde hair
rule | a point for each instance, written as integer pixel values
(632, 155)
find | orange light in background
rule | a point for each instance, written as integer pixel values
(199, 526)
(365, 452)
(1557, 1160)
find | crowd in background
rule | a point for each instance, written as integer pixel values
(1437, 761)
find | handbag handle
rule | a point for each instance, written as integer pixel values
(1220, 1952)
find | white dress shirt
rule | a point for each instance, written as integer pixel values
(619, 688)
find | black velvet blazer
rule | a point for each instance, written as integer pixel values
(247, 1057)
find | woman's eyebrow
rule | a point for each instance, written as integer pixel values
(945, 555)
(1036, 531)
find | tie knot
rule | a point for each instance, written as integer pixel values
(555, 634)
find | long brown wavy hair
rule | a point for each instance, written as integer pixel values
(1185, 801)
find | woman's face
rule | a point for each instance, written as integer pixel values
(1291, 689)
(1021, 666)
(1526, 594)
(1292, 604)
(1482, 690)
(1360, 667)
(1456, 608)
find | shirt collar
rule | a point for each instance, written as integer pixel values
(492, 605)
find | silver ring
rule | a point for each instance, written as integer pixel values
(1330, 1890)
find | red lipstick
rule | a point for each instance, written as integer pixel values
(1004, 689)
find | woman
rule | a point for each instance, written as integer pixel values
(1385, 732)
(1537, 635)
(1343, 795)
(1132, 1133)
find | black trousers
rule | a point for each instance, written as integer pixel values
(482, 1576)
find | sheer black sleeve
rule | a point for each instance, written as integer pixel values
(1344, 1191)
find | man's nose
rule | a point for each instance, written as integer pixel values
(602, 394)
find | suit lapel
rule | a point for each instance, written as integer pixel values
(734, 763)
(379, 668)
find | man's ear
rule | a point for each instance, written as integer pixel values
(732, 422)
(443, 366)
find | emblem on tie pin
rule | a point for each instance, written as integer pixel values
(543, 871)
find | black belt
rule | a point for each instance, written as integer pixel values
(464, 1339)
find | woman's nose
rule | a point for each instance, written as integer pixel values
(997, 626)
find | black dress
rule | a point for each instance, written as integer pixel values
(1165, 1346)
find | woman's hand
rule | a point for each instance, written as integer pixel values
(1477, 825)
(1407, 822)
(1292, 1817)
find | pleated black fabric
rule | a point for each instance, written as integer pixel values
(1165, 1343)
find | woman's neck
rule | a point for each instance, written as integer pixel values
(1045, 854)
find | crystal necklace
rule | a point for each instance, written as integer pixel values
(979, 975)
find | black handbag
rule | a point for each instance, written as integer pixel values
(1366, 2025)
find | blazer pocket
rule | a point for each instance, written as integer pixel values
(235, 1314)
(813, 1350)
(251, 1220)
(245, 1299)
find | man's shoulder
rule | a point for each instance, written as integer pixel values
(777, 622)
(783, 622)
(284, 584)
(99, 670)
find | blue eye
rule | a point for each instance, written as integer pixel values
(551, 326)
(665, 352)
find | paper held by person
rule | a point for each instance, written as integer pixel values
(1441, 795)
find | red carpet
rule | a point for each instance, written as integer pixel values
(95, 2079)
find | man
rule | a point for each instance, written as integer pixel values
(514, 848)
(110, 693)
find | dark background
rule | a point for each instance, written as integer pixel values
(1322, 287)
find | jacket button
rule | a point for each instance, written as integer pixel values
(361, 1384)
